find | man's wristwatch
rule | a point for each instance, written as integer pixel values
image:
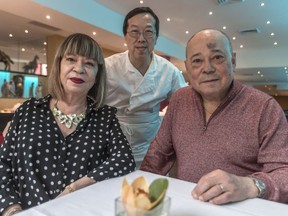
(260, 185)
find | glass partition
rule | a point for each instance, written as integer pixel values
(19, 85)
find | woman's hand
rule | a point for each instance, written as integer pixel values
(80, 183)
(220, 187)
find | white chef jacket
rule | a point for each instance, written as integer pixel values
(138, 97)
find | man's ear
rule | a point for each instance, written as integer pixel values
(186, 64)
(234, 60)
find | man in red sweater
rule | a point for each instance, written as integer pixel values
(230, 139)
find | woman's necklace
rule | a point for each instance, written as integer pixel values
(68, 120)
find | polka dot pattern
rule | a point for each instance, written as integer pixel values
(37, 162)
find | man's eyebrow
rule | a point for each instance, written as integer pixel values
(194, 55)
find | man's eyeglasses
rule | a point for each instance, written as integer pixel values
(136, 33)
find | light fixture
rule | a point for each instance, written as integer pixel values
(262, 4)
(168, 19)
(45, 43)
(234, 38)
(224, 27)
(23, 49)
(187, 32)
(10, 35)
(26, 31)
(275, 43)
(241, 46)
(272, 34)
(268, 22)
(210, 13)
(94, 33)
(48, 17)
(141, 2)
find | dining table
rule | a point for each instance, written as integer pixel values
(99, 200)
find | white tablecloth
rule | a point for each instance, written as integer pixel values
(98, 200)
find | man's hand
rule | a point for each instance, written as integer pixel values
(220, 187)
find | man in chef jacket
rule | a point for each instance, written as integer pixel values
(139, 80)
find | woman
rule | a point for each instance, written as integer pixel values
(66, 140)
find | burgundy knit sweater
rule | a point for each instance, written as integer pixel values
(247, 135)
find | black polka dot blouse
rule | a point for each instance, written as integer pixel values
(37, 162)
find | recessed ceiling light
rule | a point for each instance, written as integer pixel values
(48, 17)
(272, 34)
(168, 19)
(258, 72)
(241, 46)
(23, 49)
(94, 33)
(234, 38)
(210, 13)
(26, 31)
(141, 2)
(261, 75)
(45, 43)
(125, 44)
(275, 43)
(262, 4)
(224, 27)
(10, 35)
(285, 68)
(268, 22)
(187, 32)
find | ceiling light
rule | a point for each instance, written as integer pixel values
(125, 44)
(275, 43)
(94, 33)
(45, 43)
(23, 49)
(26, 31)
(261, 75)
(262, 4)
(258, 72)
(268, 22)
(234, 38)
(224, 27)
(168, 19)
(187, 32)
(141, 2)
(285, 68)
(210, 13)
(48, 17)
(241, 46)
(272, 34)
(10, 35)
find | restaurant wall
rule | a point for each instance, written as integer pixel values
(283, 101)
